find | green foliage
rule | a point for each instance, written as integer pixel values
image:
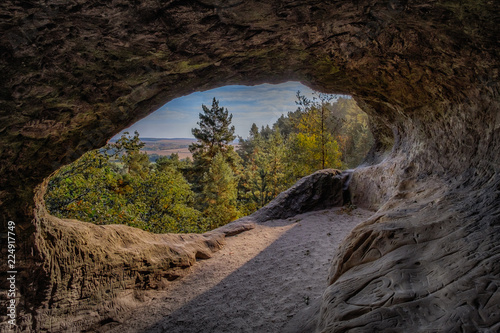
(286, 124)
(93, 189)
(309, 152)
(321, 121)
(264, 175)
(162, 202)
(119, 184)
(219, 194)
(214, 136)
(84, 190)
(127, 150)
(173, 161)
(354, 136)
(324, 132)
(215, 164)
(314, 142)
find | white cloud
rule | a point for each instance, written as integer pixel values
(261, 104)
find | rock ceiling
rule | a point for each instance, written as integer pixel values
(76, 73)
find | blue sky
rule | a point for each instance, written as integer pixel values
(262, 104)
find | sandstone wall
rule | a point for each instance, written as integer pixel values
(76, 73)
(428, 259)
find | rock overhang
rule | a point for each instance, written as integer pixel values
(426, 72)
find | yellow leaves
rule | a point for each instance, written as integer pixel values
(308, 142)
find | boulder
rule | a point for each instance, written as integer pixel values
(323, 189)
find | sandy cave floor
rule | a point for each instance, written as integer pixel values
(256, 283)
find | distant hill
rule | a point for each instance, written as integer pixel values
(157, 139)
(168, 139)
(168, 146)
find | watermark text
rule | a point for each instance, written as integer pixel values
(11, 273)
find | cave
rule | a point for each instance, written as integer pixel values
(426, 72)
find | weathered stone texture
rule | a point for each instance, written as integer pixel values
(97, 272)
(75, 73)
(321, 190)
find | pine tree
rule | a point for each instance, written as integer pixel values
(314, 145)
(219, 193)
(286, 124)
(214, 136)
(127, 150)
(247, 146)
(264, 175)
(356, 137)
(317, 128)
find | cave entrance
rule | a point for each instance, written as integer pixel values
(266, 105)
(165, 179)
(261, 104)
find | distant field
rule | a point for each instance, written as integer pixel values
(182, 152)
(166, 147)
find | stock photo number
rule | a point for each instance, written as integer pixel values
(11, 273)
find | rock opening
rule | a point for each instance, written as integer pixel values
(76, 74)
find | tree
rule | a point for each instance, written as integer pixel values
(316, 127)
(355, 136)
(254, 131)
(313, 146)
(173, 161)
(85, 190)
(219, 193)
(163, 202)
(247, 146)
(266, 132)
(214, 136)
(94, 189)
(286, 124)
(127, 150)
(264, 171)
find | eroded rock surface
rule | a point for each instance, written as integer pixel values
(93, 266)
(323, 189)
(76, 73)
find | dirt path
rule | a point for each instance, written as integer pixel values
(256, 283)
